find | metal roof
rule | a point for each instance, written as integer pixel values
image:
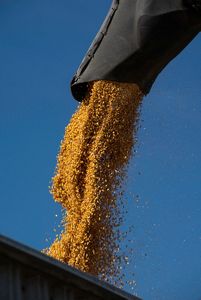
(27, 274)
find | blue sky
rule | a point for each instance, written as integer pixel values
(42, 44)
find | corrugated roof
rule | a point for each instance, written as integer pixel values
(27, 274)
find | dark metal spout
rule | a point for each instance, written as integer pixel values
(136, 41)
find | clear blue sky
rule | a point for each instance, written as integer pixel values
(42, 43)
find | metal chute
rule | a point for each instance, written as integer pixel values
(136, 41)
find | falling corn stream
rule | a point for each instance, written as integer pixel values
(91, 167)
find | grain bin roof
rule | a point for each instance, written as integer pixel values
(29, 274)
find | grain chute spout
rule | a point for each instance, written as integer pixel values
(136, 41)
